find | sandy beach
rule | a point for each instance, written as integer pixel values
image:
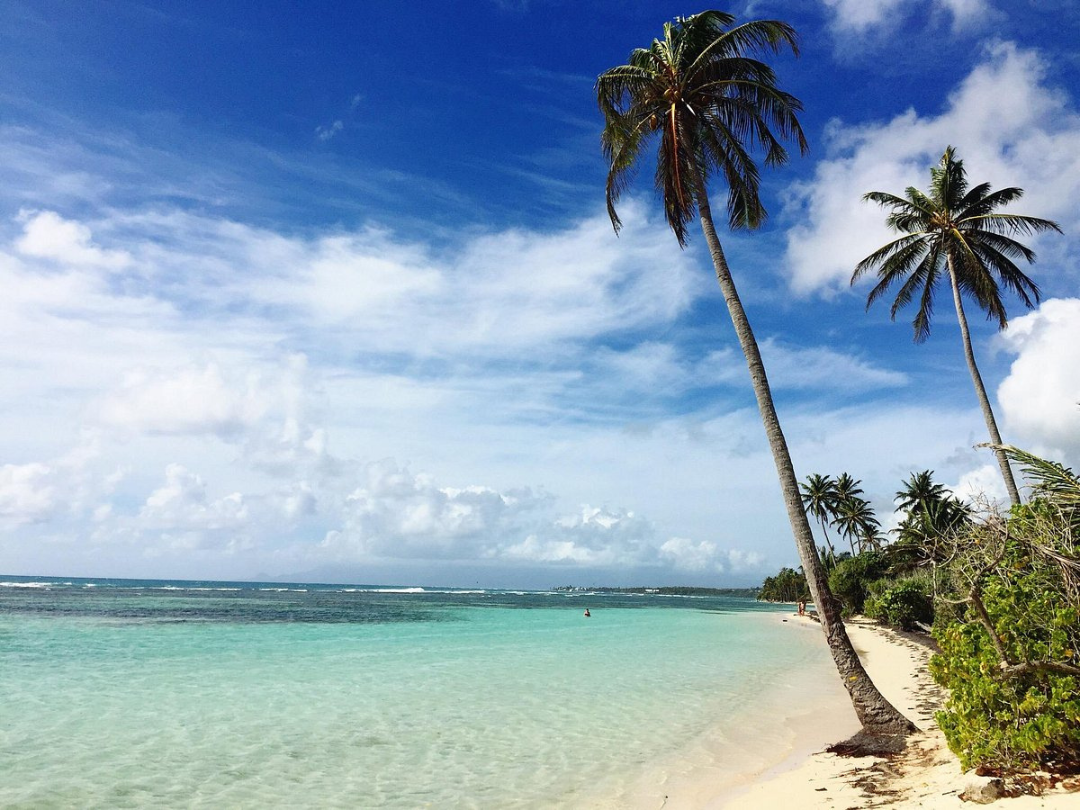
(926, 775)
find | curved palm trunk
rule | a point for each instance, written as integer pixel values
(980, 390)
(876, 714)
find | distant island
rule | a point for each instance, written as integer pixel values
(668, 590)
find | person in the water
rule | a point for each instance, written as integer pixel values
(587, 614)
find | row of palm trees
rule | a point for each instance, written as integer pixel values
(709, 104)
(929, 510)
(838, 502)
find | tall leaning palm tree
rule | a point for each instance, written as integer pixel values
(700, 94)
(960, 234)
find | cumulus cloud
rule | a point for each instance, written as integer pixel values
(187, 401)
(181, 503)
(299, 501)
(398, 515)
(263, 410)
(858, 15)
(982, 485)
(47, 235)
(862, 16)
(1008, 127)
(1040, 397)
(26, 493)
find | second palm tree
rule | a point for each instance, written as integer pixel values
(957, 233)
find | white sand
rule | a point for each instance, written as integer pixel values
(927, 775)
(799, 774)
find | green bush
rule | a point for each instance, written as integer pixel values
(1014, 705)
(850, 579)
(1020, 721)
(902, 604)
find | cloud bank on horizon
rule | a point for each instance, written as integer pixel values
(412, 382)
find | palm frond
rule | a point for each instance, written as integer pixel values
(1012, 223)
(878, 257)
(923, 318)
(1048, 478)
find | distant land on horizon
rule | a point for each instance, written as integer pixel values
(663, 590)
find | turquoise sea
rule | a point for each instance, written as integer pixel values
(121, 693)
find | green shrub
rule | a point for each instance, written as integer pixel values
(850, 579)
(902, 604)
(1014, 723)
(1014, 705)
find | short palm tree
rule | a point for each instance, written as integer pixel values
(819, 501)
(930, 511)
(846, 490)
(957, 233)
(708, 104)
(856, 520)
(920, 490)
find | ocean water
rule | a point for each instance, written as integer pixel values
(179, 694)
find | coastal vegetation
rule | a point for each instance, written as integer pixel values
(787, 586)
(701, 95)
(666, 590)
(1000, 593)
(1008, 622)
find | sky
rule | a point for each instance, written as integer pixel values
(328, 292)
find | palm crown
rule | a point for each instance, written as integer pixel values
(708, 103)
(959, 234)
(952, 228)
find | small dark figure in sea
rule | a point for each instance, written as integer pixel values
(802, 608)
(587, 614)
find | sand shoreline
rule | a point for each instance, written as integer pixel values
(926, 775)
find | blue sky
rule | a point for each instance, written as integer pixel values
(328, 291)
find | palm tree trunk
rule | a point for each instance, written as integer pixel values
(875, 713)
(980, 390)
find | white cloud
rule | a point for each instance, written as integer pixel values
(188, 401)
(181, 503)
(968, 13)
(26, 493)
(300, 501)
(688, 555)
(860, 15)
(396, 514)
(820, 367)
(1009, 129)
(981, 486)
(494, 295)
(863, 16)
(47, 235)
(1040, 398)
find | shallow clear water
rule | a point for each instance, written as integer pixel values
(171, 694)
